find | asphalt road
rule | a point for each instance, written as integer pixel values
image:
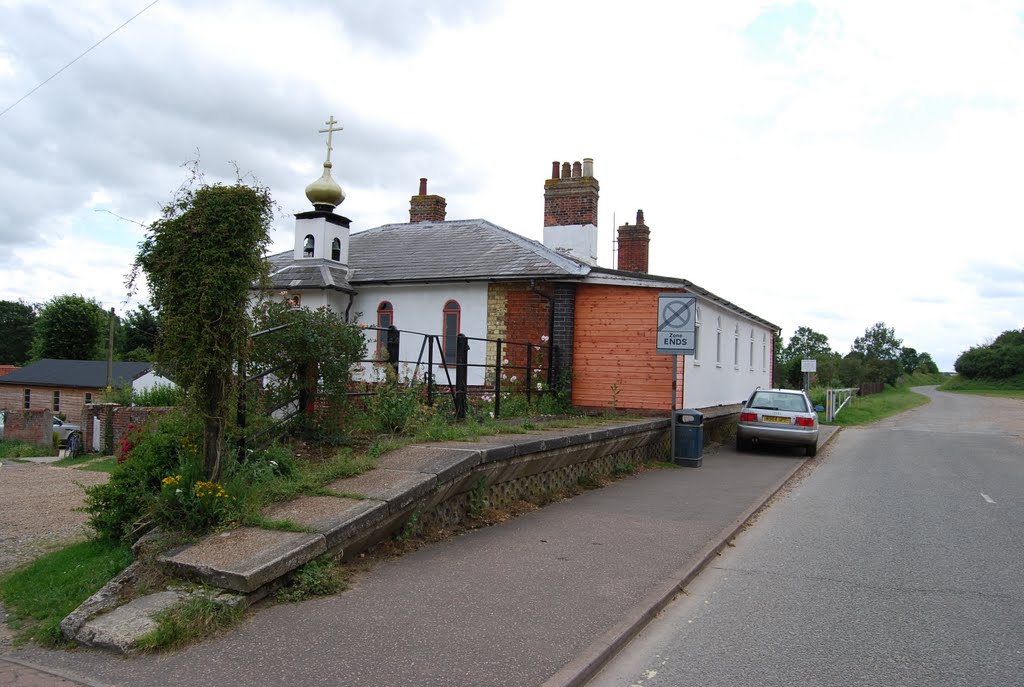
(898, 561)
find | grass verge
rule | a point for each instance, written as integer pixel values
(14, 448)
(863, 410)
(40, 595)
(1012, 387)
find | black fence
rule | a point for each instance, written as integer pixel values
(252, 384)
(440, 372)
(535, 367)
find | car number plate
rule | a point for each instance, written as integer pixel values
(775, 418)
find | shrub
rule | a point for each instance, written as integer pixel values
(187, 503)
(120, 508)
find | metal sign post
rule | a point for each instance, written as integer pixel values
(808, 366)
(676, 329)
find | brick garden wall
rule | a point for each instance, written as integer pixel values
(120, 418)
(34, 425)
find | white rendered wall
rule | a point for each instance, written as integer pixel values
(420, 309)
(578, 240)
(150, 380)
(709, 382)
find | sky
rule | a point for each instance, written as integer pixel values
(822, 164)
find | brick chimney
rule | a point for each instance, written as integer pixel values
(424, 208)
(570, 210)
(634, 245)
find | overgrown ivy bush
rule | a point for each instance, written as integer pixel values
(121, 508)
(317, 352)
(200, 260)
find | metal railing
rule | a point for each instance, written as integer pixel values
(836, 400)
(292, 406)
(459, 389)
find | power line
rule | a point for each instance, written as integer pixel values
(57, 73)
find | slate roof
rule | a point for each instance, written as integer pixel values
(465, 250)
(88, 374)
(309, 273)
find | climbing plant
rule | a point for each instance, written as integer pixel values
(200, 260)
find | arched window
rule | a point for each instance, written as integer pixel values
(450, 328)
(696, 334)
(385, 318)
(307, 246)
(718, 342)
(336, 250)
(736, 346)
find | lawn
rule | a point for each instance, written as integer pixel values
(39, 596)
(863, 410)
(1013, 387)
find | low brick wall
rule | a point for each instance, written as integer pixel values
(119, 418)
(34, 425)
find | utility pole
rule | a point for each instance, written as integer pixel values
(110, 354)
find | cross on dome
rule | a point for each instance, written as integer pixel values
(330, 132)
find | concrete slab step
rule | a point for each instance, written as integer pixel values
(245, 559)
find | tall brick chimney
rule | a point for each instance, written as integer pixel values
(570, 210)
(634, 245)
(424, 208)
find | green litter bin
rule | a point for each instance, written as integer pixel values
(688, 437)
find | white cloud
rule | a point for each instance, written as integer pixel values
(867, 164)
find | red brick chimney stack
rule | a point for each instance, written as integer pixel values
(634, 245)
(570, 198)
(426, 208)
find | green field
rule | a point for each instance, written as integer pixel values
(1011, 387)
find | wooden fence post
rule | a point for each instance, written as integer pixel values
(461, 370)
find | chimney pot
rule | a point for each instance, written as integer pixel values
(639, 218)
(566, 170)
(588, 166)
(577, 170)
(423, 186)
(554, 169)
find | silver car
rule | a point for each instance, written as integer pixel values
(778, 416)
(63, 430)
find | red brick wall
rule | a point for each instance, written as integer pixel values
(427, 209)
(634, 245)
(527, 316)
(570, 200)
(72, 400)
(34, 425)
(121, 417)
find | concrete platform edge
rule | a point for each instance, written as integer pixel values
(581, 669)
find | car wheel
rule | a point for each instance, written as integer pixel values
(811, 450)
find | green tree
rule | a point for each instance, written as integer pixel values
(881, 351)
(807, 343)
(909, 359)
(139, 331)
(926, 364)
(17, 322)
(1000, 359)
(71, 327)
(200, 260)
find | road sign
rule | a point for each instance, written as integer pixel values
(808, 365)
(677, 319)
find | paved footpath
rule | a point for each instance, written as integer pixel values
(19, 673)
(542, 599)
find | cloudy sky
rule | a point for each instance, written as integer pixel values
(825, 164)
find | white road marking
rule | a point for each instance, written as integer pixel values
(987, 498)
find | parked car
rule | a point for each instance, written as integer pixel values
(778, 416)
(63, 430)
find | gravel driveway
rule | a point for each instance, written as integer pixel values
(37, 503)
